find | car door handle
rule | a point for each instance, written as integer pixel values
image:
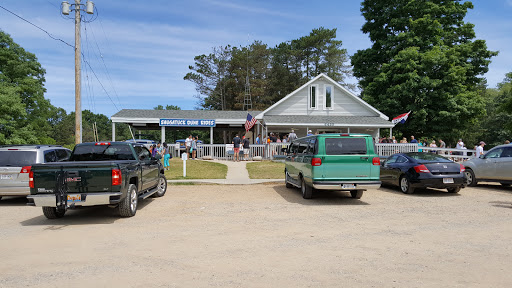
(364, 158)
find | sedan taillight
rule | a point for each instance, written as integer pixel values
(462, 168)
(421, 169)
(116, 177)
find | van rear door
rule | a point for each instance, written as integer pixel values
(346, 158)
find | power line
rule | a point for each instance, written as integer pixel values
(72, 46)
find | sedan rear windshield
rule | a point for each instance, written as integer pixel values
(102, 153)
(428, 157)
(17, 158)
(345, 146)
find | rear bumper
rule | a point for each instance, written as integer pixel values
(338, 185)
(15, 190)
(437, 183)
(88, 199)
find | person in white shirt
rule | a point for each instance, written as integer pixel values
(480, 149)
(188, 145)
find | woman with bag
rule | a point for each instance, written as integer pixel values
(167, 156)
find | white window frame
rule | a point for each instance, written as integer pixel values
(316, 97)
(325, 97)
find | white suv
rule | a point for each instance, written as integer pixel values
(16, 162)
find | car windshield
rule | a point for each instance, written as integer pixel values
(102, 153)
(345, 146)
(17, 158)
(428, 157)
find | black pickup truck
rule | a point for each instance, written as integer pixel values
(117, 174)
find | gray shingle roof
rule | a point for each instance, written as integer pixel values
(321, 120)
(183, 114)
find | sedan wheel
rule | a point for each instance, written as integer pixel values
(405, 185)
(470, 178)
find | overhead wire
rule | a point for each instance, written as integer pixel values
(72, 46)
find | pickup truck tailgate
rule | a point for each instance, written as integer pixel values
(80, 177)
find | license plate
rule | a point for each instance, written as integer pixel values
(6, 177)
(74, 198)
(348, 186)
(447, 180)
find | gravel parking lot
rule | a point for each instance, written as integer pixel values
(266, 236)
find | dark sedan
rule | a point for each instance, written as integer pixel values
(420, 170)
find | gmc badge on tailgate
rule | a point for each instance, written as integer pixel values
(73, 179)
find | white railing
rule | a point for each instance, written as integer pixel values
(273, 151)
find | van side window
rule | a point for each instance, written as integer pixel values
(312, 146)
(303, 146)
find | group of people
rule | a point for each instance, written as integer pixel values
(162, 150)
(278, 138)
(191, 146)
(244, 143)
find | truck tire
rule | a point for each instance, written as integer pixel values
(53, 212)
(307, 192)
(356, 194)
(162, 186)
(128, 206)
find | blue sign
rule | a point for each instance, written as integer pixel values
(187, 122)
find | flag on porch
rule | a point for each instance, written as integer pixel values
(400, 118)
(249, 122)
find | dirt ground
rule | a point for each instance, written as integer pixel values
(266, 236)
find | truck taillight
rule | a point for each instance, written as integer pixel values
(316, 162)
(116, 177)
(462, 168)
(102, 143)
(31, 179)
(376, 161)
(421, 169)
(25, 169)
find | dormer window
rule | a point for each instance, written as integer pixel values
(328, 100)
(313, 91)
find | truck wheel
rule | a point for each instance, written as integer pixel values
(287, 180)
(162, 186)
(307, 192)
(53, 212)
(128, 206)
(356, 194)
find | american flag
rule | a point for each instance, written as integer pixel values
(401, 118)
(249, 122)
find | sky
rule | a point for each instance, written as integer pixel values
(139, 51)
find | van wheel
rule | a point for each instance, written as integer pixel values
(128, 206)
(470, 177)
(53, 212)
(307, 192)
(356, 194)
(405, 185)
(287, 180)
(162, 186)
(454, 190)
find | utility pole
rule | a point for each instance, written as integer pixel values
(78, 99)
(66, 8)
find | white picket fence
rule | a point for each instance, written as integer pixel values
(273, 151)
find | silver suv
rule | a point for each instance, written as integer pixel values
(493, 166)
(16, 162)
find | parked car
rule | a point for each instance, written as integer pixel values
(493, 166)
(116, 174)
(346, 162)
(421, 169)
(16, 162)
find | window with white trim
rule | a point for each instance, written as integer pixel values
(313, 91)
(328, 97)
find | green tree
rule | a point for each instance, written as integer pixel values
(505, 95)
(167, 107)
(424, 59)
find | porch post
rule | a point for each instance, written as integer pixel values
(113, 132)
(211, 135)
(163, 134)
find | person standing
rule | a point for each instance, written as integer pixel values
(442, 145)
(188, 145)
(292, 136)
(167, 156)
(258, 139)
(236, 148)
(480, 149)
(404, 140)
(245, 144)
(413, 140)
(194, 147)
(310, 133)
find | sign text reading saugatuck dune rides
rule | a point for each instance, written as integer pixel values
(187, 122)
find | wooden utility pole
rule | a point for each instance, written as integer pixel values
(78, 100)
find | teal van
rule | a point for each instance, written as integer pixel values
(345, 162)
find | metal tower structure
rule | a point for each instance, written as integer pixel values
(247, 96)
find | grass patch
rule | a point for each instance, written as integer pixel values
(265, 170)
(196, 169)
